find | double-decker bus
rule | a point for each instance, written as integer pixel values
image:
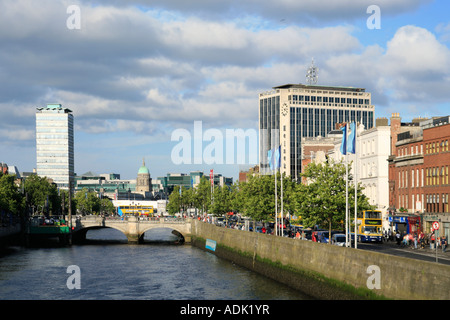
(369, 226)
(135, 210)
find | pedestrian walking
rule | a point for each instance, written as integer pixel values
(444, 243)
(415, 240)
(432, 238)
(398, 237)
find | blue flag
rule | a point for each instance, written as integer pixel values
(344, 140)
(351, 144)
(274, 158)
(269, 159)
(277, 156)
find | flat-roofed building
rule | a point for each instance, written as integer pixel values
(54, 144)
(291, 112)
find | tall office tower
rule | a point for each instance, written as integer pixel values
(291, 112)
(54, 144)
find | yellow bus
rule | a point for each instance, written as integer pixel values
(135, 210)
(369, 226)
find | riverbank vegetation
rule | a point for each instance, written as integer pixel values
(319, 198)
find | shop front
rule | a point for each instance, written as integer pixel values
(444, 223)
(405, 223)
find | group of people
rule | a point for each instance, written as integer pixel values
(417, 239)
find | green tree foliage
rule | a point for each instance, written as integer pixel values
(42, 195)
(221, 201)
(87, 202)
(258, 196)
(174, 205)
(11, 199)
(106, 206)
(323, 200)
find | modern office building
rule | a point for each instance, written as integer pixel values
(54, 144)
(291, 112)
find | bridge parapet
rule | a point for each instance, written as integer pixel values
(133, 227)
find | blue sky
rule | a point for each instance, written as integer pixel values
(137, 70)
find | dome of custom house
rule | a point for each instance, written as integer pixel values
(143, 169)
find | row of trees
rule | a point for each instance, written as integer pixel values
(319, 201)
(43, 197)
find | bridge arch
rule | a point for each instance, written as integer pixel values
(177, 231)
(132, 227)
(79, 235)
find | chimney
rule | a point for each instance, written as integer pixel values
(396, 123)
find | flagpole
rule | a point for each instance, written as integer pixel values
(282, 220)
(344, 152)
(346, 201)
(356, 181)
(276, 202)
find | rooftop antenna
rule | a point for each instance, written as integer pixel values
(312, 74)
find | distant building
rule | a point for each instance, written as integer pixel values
(244, 175)
(144, 181)
(164, 186)
(3, 168)
(55, 145)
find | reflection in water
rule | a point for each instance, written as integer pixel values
(132, 272)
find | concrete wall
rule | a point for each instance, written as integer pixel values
(399, 278)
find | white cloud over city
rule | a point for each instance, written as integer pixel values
(145, 68)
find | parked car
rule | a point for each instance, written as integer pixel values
(338, 239)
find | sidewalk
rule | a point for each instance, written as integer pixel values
(427, 250)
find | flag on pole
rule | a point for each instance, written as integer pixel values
(274, 158)
(277, 157)
(351, 143)
(269, 159)
(344, 140)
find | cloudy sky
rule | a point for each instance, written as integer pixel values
(134, 71)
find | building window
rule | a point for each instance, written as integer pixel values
(422, 178)
(417, 178)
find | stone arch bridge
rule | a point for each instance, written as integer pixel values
(133, 227)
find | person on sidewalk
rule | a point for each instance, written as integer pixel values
(415, 240)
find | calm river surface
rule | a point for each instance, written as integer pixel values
(113, 269)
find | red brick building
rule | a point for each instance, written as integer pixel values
(418, 171)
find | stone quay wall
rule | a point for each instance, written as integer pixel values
(302, 264)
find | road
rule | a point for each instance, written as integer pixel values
(405, 251)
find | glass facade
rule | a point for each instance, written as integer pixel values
(313, 111)
(54, 144)
(269, 125)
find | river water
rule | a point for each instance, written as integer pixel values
(109, 268)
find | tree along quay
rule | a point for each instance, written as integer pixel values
(324, 271)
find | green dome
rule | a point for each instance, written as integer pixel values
(143, 169)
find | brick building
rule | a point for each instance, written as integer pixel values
(418, 171)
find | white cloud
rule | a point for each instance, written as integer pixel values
(416, 66)
(128, 69)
